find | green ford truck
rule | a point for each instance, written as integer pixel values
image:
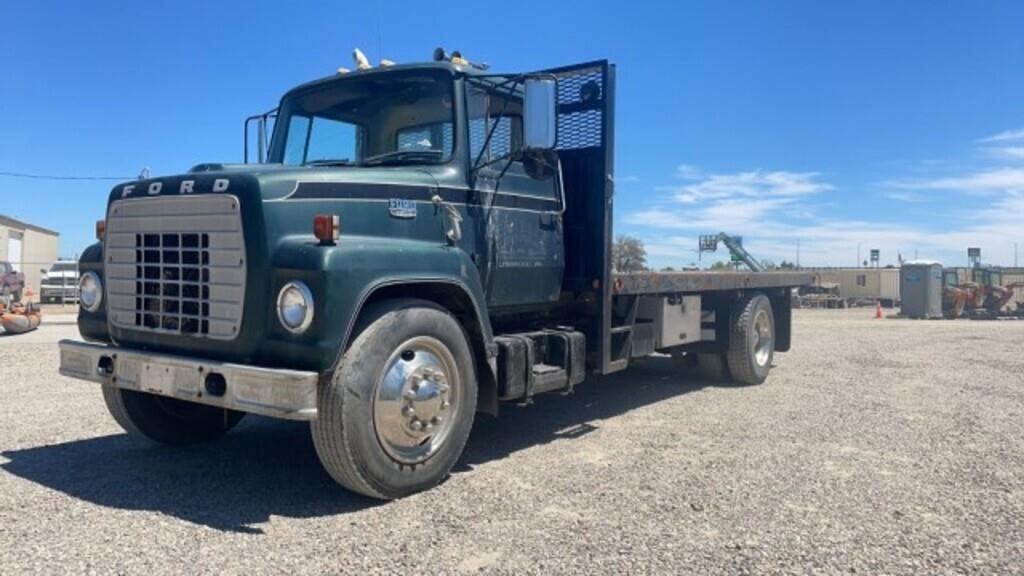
(416, 244)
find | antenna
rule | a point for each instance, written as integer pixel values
(380, 42)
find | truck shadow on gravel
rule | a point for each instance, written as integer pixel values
(267, 467)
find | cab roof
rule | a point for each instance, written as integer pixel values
(444, 66)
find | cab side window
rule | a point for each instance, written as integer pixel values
(503, 114)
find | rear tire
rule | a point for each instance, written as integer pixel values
(395, 416)
(752, 341)
(167, 420)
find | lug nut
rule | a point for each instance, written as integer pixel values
(416, 425)
(435, 420)
(408, 411)
(445, 404)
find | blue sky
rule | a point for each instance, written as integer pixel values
(892, 125)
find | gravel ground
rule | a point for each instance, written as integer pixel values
(876, 446)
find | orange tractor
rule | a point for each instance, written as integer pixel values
(984, 297)
(18, 318)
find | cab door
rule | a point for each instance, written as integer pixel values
(523, 212)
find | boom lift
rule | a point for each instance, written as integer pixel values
(709, 243)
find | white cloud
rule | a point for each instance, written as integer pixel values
(980, 182)
(1005, 152)
(688, 172)
(754, 184)
(773, 211)
(754, 203)
(1004, 136)
(905, 196)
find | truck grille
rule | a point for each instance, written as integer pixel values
(176, 265)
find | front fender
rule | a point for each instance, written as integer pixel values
(344, 276)
(93, 325)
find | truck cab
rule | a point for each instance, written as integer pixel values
(410, 134)
(419, 242)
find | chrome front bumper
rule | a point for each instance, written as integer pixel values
(288, 394)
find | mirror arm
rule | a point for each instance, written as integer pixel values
(487, 142)
(561, 186)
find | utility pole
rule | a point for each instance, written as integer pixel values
(858, 255)
(798, 253)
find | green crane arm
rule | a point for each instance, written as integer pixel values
(710, 244)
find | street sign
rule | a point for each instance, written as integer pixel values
(708, 242)
(974, 257)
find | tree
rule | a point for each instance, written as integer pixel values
(629, 255)
(720, 265)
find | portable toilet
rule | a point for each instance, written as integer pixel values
(921, 289)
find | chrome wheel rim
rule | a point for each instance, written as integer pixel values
(416, 399)
(762, 338)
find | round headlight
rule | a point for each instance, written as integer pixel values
(295, 307)
(90, 292)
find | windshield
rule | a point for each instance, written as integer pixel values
(380, 118)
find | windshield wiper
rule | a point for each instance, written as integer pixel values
(329, 162)
(400, 156)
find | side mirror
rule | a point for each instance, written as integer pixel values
(540, 120)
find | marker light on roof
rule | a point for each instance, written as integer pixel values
(361, 62)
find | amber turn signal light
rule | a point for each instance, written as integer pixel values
(101, 229)
(327, 228)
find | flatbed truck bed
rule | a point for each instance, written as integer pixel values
(704, 281)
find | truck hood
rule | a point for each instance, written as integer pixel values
(277, 181)
(58, 276)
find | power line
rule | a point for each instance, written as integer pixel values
(52, 177)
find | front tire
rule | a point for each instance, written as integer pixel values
(167, 420)
(395, 416)
(752, 341)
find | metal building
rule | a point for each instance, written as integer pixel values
(28, 248)
(866, 285)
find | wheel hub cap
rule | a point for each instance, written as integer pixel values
(415, 400)
(762, 338)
